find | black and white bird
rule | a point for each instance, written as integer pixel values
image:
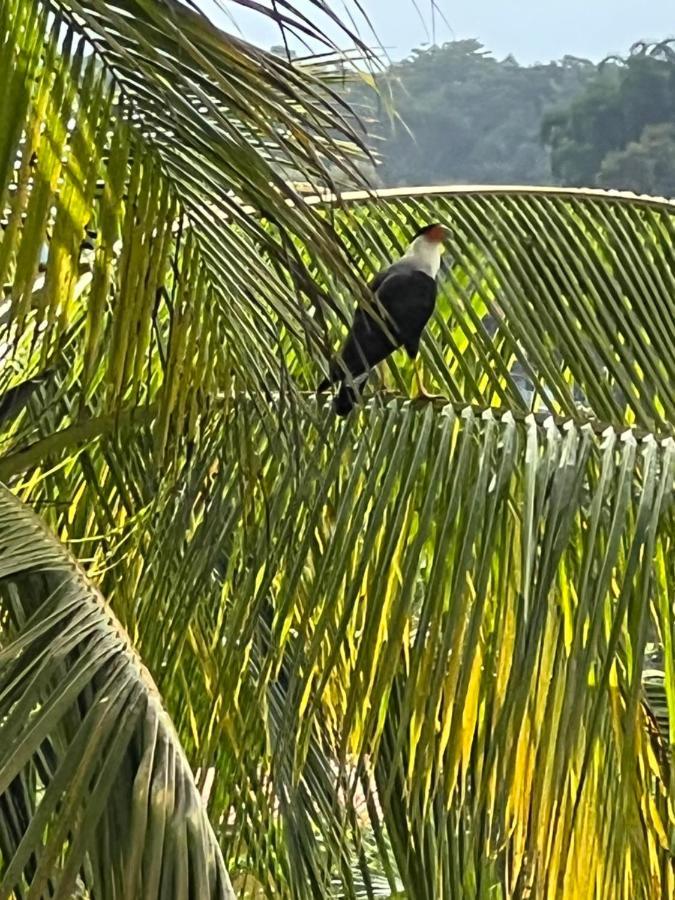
(404, 301)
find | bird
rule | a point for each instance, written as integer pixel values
(405, 298)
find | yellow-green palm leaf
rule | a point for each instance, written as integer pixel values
(95, 789)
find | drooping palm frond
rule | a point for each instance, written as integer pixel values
(95, 791)
(165, 144)
(413, 652)
(140, 149)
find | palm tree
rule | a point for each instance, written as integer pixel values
(401, 656)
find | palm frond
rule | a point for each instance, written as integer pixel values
(95, 790)
(554, 300)
(412, 653)
(166, 144)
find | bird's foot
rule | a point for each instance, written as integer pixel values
(424, 396)
(422, 392)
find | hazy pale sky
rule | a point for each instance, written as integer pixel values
(533, 30)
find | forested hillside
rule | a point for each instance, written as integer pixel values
(462, 116)
(619, 131)
(466, 117)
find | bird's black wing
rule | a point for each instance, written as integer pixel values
(403, 304)
(367, 344)
(400, 267)
(408, 298)
(379, 278)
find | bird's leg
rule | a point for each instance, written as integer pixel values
(422, 392)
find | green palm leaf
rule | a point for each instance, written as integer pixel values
(564, 293)
(95, 788)
(168, 141)
(457, 650)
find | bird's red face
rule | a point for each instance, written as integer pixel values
(436, 234)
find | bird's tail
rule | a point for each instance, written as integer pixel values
(345, 399)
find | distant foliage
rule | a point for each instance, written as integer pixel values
(619, 132)
(456, 115)
(469, 118)
(647, 165)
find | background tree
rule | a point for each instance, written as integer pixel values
(456, 115)
(464, 117)
(609, 131)
(647, 165)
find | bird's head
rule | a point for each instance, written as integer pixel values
(432, 234)
(426, 248)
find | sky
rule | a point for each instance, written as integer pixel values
(533, 30)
